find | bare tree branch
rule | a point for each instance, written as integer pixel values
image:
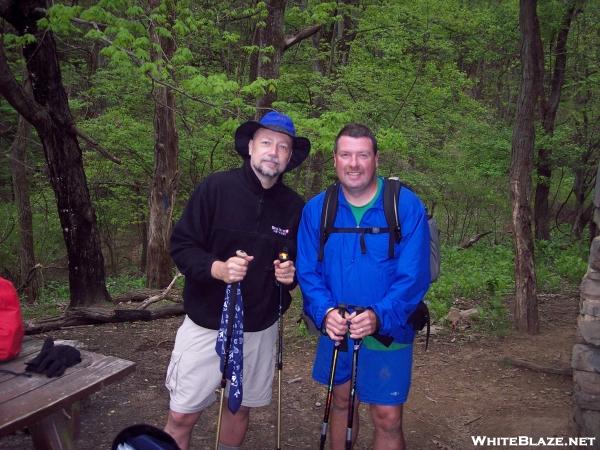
(29, 277)
(96, 146)
(524, 364)
(306, 33)
(473, 240)
(96, 25)
(162, 295)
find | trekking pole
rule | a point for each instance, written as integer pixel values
(357, 343)
(227, 349)
(334, 357)
(283, 256)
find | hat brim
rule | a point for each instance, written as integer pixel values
(245, 132)
(144, 429)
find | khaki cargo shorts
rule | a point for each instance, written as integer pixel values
(194, 371)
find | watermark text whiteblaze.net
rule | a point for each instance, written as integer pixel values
(528, 441)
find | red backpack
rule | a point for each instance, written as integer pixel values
(11, 322)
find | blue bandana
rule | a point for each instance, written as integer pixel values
(235, 363)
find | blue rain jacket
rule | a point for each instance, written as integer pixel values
(392, 287)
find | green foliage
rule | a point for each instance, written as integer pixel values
(53, 301)
(484, 274)
(560, 261)
(571, 267)
(111, 185)
(59, 19)
(54, 297)
(493, 316)
(299, 330)
(323, 12)
(406, 80)
(258, 87)
(214, 85)
(123, 283)
(479, 273)
(13, 41)
(9, 236)
(48, 242)
(322, 131)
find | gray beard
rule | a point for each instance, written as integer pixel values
(270, 173)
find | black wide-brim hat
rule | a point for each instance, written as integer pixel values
(143, 436)
(274, 121)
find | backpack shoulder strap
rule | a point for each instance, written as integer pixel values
(328, 214)
(391, 198)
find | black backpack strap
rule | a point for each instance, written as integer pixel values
(328, 216)
(419, 319)
(391, 198)
(356, 230)
(391, 194)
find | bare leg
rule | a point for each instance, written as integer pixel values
(180, 426)
(338, 419)
(387, 423)
(234, 426)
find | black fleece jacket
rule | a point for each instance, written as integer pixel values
(231, 211)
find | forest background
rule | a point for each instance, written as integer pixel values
(111, 112)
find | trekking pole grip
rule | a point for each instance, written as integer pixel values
(283, 254)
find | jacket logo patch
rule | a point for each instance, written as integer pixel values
(280, 231)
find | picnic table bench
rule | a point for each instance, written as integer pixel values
(49, 407)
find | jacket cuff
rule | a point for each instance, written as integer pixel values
(322, 327)
(292, 286)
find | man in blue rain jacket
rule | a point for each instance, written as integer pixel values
(380, 292)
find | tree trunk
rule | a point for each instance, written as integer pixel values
(348, 32)
(30, 277)
(548, 109)
(315, 174)
(583, 185)
(523, 139)
(579, 194)
(266, 65)
(319, 62)
(144, 242)
(94, 315)
(164, 181)
(49, 113)
(542, 193)
(163, 191)
(336, 37)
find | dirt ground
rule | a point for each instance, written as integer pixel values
(460, 387)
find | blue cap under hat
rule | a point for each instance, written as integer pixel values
(274, 121)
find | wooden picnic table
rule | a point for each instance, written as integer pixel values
(49, 407)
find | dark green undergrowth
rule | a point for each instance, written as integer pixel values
(55, 295)
(484, 276)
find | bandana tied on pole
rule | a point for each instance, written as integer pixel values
(235, 364)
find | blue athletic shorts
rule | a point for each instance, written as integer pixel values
(383, 377)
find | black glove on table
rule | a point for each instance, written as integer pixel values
(53, 359)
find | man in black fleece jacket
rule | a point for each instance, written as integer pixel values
(248, 209)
